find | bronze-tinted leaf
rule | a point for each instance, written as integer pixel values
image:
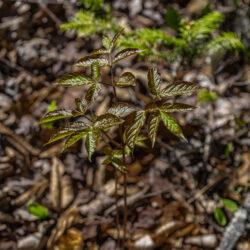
(134, 123)
(169, 107)
(106, 40)
(56, 115)
(172, 125)
(126, 79)
(151, 107)
(154, 81)
(118, 164)
(179, 88)
(125, 53)
(72, 139)
(120, 109)
(92, 92)
(107, 120)
(75, 79)
(95, 71)
(115, 38)
(81, 105)
(90, 143)
(89, 60)
(153, 124)
(99, 52)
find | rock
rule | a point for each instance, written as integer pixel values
(144, 242)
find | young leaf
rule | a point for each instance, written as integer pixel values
(169, 107)
(107, 120)
(229, 204)
(153, 124)
(95, 71)
(75, 79)
(106, 42)
(89, 60)
(74, 138)
(118, 164)
(207, 96)
(99, 52)
(220, 217)
(38, 210)
(125, 53)
(56, 115)
(154, 81)
(134, 124)
(179, 88)
(115, 38)
(90, 143)
(92, 92)
(151, 107)
(126, 79)
(81, 105)
(172, 125)
(120, 109)
(228, 149)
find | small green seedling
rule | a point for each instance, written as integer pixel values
(37, 210)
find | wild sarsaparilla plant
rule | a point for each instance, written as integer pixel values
(128, 120)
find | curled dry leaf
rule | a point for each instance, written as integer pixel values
(61, 191)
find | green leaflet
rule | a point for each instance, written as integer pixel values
(179, 88)
(92, 92)
(74, 138)
(169, 107)
(90, 143)
(172, 125)
(95, 71)
(153, 124)
(125, 53)
(126, 79)
(220, 217)
(56, 115)
(75, 79)
(106, 42)
(87, 61)
(154, 81)
(120, 109)
(207, 96)
(134, 123)
(229, 204)
(107, 120)
(37, 210)
(114, 40)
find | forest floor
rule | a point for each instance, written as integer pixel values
(173, 189)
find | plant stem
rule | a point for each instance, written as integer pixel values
(125, 214)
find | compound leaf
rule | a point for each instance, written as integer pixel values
(120, 109)
(134, 123)
(89, 60)
(107, 120)
(115, 38)
(75, 79)
(169, 107)
(74, 138)
(125, 53)
(179, 88)
(126, 79)
(56, 115)
(153, 124)
(171, 125)
(154, 81)
(92, 92)
(90, 143)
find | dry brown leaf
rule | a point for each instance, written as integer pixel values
(66, 221)
(61, 191)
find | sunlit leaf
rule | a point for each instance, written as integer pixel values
(126, 79)
(220, 217)
(154, 81)
(207, 96)
(153, 124)
(171, 125)
(56, 115)
(125, 53)
(106, 42)
(229, 204)
(92, 92)
(81, 105)
(99, 52)
(74, 138)
(90, 143)
(169, 107)
(115, 38)
(134, 123)
(95, 71)
(151, 107)
(107, 120)
(75, 79)
(37, 210)
(120, 109)
(89, 60)
(179, 88)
